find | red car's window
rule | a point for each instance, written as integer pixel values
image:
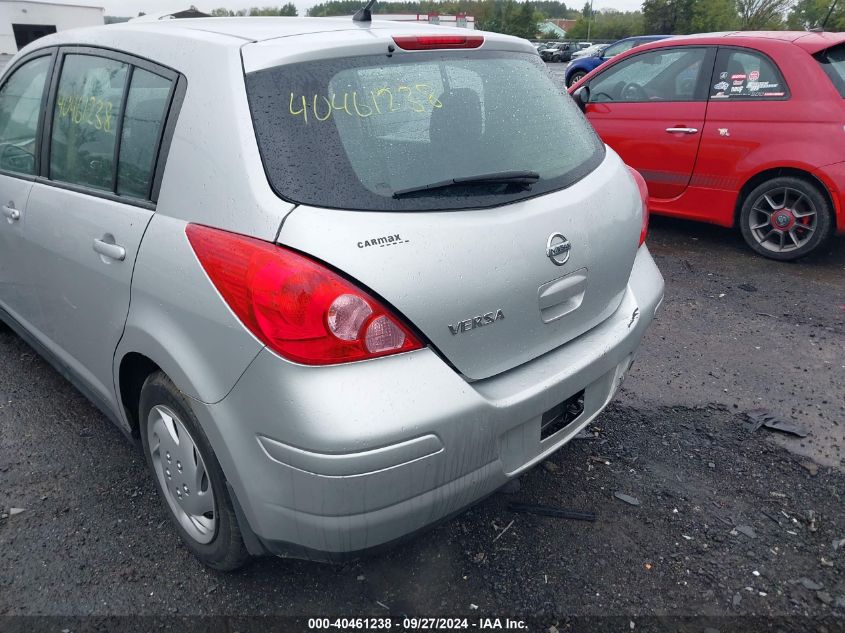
(746, 74)
(658, 75)
(832, 62)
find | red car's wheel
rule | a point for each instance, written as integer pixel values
(786, 218)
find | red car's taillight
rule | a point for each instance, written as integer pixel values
(433, 42)
(297, 307)
(641, 185)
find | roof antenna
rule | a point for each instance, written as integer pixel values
(829, 11)
(363, 14)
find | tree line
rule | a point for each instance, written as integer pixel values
(503, 16)
(671, 17)
(680, 17)
(288, 9)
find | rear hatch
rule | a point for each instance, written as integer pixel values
(382, 147)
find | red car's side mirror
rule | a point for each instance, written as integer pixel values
(582, 97)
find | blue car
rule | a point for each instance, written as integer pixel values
(579, 67)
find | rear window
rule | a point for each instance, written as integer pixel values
(349, 133)
(832, 61)
(746, 75)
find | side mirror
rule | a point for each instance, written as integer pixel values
(582, 97)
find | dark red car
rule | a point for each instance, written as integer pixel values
(738, 129)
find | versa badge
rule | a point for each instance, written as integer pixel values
(466, 325)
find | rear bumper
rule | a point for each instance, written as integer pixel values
(330, 461)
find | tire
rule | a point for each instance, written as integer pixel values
(214, 536)
(786, 218)
(576, 76)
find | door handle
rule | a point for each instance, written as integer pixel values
(112, 251)
(11, 213)
(682, 130)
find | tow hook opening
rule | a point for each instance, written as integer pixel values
(561, 415)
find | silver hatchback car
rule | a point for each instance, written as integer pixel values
(340, 279)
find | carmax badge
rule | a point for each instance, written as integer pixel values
(558, 249)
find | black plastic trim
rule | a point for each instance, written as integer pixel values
(253, 543)
(97, 193)
(118, 140)
(177, 98)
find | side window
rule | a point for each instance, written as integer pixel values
(92, 126)
(745, 74)
(615, 49)
(20, 105)
(146, 108)
(832, 62)
(85, 121)
(660, 75)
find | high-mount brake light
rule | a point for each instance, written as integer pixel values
(643, 188)
(435, 42)
(295, 305)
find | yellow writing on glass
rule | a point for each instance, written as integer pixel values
(82, 110)
(417, 98)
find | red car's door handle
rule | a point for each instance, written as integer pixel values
(682, 130)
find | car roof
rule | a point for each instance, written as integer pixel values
(644, 37)
(241, 29)
(185, 44)
(810, 41)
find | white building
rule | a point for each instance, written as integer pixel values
(461, 20)
(22, 21)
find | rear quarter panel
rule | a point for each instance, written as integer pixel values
(178, 320)
(744, 138)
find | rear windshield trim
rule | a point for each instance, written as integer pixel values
(446, 201)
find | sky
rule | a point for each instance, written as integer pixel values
(132, 7)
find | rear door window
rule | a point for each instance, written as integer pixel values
(350, 133)
(620, 47)
(86, 118)
(743, 74)
(20, 105)
(146, 109)
(108, 118)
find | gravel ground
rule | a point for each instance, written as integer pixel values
(731, 524)
(94, 539)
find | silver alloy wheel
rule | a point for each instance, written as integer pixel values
(182, 474)
(783, 219)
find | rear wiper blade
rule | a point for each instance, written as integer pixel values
(497, 178)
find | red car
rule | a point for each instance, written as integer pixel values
(738, 129)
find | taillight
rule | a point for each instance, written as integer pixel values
(643, 187)
(297, 307)
(432, 42)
